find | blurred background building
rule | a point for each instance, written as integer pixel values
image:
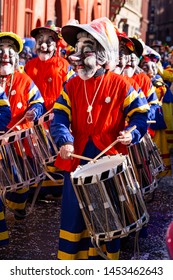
(160, 22)
(149, 19)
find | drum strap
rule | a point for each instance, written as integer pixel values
(37, 189)
(98, 249)
(136, 246)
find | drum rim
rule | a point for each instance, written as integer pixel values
(76, 176)
(15, 136)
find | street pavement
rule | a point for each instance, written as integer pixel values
(36, 237)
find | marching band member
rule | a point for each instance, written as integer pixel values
(89, 115)
(50, 72)
(150, 62)
(25, 100)
(134, 64)
(5, 117)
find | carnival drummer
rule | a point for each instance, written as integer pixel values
(50, 72)
(88, 116)
(25, 100)
(5, 117)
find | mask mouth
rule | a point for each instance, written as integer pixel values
(41, 51)
(5, 60)
(80, 66)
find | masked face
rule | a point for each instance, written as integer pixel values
(149, 67)
(8, 56)
(85, 56)
(131, 65)
(25, 55)
(45, 45)
(123, 58)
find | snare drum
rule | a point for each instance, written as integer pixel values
(156, 160)
(46, 146)
(20, 164)
(141, 162)
(109, 197)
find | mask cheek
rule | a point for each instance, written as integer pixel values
(52, 48)
(90, 61)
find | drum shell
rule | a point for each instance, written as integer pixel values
(20, 164)
(142, 165)
(110, 200)
(46, 146)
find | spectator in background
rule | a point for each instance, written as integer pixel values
(25, 55)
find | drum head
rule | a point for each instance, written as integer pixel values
(104, 168)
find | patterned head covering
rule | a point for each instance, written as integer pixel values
(102, 31)
(151, 53)
(138, 47)
(17, 39)
(48, 26)
(122, 36)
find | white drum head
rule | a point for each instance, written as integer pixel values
(106, 164)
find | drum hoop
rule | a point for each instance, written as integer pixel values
(106, 174)
(43, 119)
(15, 136)
(24, 184)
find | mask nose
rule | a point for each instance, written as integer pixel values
(44, 47)
(5, 54)
(75, 57)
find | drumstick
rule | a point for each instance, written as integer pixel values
(17, 123)
(46, 113)
(151, 121)
(80, 157)
(111, 145)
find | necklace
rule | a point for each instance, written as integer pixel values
(90, 106)
(7, 80)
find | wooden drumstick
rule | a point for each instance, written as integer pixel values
(81, 157)
(151, 121)
(14, 125)
(45, 114)
(22, 119)
(111, 145)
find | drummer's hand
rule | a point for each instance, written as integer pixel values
(125, 137)
(30, 115)
(66, 151)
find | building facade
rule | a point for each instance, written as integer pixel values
(21, 16)
(161, 22)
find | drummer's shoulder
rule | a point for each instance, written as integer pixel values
(118, 79)
(22, 77)
(31, 63)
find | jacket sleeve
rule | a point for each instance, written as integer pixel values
(5, 112)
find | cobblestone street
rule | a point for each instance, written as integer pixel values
(36, 237)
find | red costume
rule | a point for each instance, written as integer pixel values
(22, 93)
(49, 76)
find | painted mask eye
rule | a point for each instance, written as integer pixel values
(11, 52)
(88, 53)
